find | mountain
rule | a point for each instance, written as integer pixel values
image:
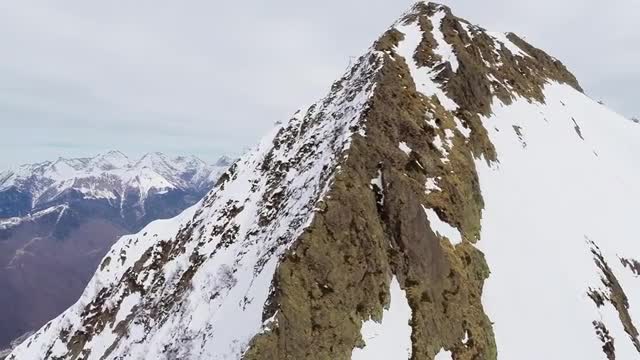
(456, 195)
(14, 343)
(59, 218)
(111, 180)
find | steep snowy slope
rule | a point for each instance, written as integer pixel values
(455, 196)
(562, 195)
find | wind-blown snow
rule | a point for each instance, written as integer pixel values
(442, 228)
(541, 203)
(391, 338)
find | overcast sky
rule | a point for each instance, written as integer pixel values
(210, 77)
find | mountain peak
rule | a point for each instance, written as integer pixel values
(113, 154)
(466, 66)
(111, 160)
(224, 161)
(398, 217)
(153, 156)
(156, 161)
(420, 6)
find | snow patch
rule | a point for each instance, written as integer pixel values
(422, 77)
(376, 186)
(465, 340)
(14, 221)
(405, 148)
(440, 146)
(390, 339)
(442, 228)
(466, 132)
(443, 48)
(127, 305)
(443, 355)
(504, 40)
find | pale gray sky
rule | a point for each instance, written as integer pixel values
(210, 77)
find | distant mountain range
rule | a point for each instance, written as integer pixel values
(110, 182)
(59, 218)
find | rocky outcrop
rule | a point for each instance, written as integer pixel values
(611, 293)
(376, 184)
(338, 273)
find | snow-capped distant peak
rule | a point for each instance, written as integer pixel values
(111, 160)
(152, 160)
(110, 175)
(224, 161)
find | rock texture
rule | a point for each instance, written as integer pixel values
(394, 178)
(346, 248)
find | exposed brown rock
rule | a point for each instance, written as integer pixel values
(615, 295)
(631, 264)
(603, 334)
(338, 273)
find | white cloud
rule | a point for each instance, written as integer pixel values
(210, 77)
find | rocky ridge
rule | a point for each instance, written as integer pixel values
(388, 180)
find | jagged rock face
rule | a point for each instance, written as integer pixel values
(453, 171)
(58, 220)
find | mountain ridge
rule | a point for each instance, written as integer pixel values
(421, 175)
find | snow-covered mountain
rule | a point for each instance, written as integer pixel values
(111, 176)
(455, 196)
(59, 218)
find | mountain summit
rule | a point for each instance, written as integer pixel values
(454, 196)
